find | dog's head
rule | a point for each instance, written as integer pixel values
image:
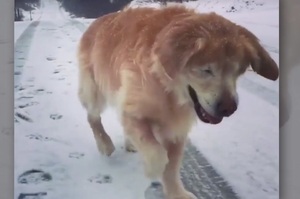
(202, 57)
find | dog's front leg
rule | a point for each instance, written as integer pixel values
(154, 155)
(173, 187)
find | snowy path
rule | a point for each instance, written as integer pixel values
(56, 140)
(57, 132)
(56, 155)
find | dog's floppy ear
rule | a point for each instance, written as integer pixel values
(176, 44)
(257, 56)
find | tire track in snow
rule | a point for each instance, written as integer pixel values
(197, 174)
(201, 178)
(266, 94)
(22, 48)
(263, 92)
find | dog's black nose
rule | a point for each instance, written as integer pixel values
(226, 107)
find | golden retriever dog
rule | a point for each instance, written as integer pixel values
(162, 69)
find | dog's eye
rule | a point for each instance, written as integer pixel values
(207, 72)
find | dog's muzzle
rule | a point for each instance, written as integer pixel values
(201, 112)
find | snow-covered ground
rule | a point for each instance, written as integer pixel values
(19, 28)
(52, 135)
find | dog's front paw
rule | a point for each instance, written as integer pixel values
(182, 195)
(155, 162)
(129, 147)
(105, 146)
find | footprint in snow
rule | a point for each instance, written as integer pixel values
(50, 58)
(55, 116)
(76, 155)
(40, 90)
(34, 176)
(56, 71)
(38, 195)
(21, 88)
(45, 138)
(37, 91)
(101, 179)
(25, 97)
(24, 87)
(38, 137)
(28, 104)
(23, 116)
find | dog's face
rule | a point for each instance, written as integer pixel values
(206, 62)
(212, 88)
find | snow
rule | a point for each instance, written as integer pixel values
(19, 28)
(65, 147)
(244, 148)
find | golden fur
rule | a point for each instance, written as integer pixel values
(142, 61)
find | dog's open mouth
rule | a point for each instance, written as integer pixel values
(202, 114)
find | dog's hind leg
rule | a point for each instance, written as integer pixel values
(104, 143)
(94, 102)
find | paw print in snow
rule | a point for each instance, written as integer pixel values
(76, 155)
(50, 58)
(101, 179)
(55, 116)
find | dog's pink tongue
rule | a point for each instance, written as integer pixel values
(206, 117)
